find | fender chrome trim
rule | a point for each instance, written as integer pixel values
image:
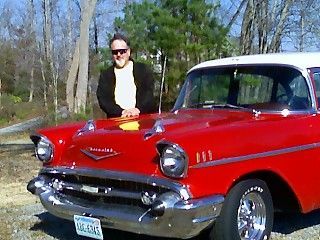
(257, 155)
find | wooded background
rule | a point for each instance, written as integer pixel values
(52, 51)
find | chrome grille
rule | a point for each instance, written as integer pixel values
(103, 190)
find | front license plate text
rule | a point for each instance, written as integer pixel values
(88, 227)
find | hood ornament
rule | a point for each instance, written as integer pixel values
(88, 127)
(256, 113)
(156, 129)
(99, 153)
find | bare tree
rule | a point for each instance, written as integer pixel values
(32, 46)
(263, 25)
(48, 45)
(0, 93)
(69, 31)
(246, 37)
(44, 80)
(276, 39)
(303, 30)
(73, 73)
(82, 60)
(236, 14)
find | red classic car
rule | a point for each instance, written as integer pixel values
(242, 141)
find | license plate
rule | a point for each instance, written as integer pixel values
(88, 227)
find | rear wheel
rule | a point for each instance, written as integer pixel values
(247, 213)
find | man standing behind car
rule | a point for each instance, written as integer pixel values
(126, 88)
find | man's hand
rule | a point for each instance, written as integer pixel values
(132, 112)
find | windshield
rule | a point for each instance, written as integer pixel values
(272, 88)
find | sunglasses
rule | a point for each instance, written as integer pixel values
(121, 51)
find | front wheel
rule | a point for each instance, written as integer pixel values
(247, 213)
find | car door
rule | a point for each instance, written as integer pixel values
(314, 121)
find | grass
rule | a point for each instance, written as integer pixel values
(19, 113)
(14, 137)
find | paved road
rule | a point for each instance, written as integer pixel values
(22, 127)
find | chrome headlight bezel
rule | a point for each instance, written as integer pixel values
(44, 148)
(173, 159)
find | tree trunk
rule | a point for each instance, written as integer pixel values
(49, 53)
(262, 25)
(82, 86)
(69, 33)
(246, 29)
(301, 41)
(276, 40)
(31, 90)
(0, 93)
(44, 84)
(234, 17)
(47, 30)
(73, 62)
(32, 48)
(72, 76)
(96, 43)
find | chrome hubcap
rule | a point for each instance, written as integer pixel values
(251, 216)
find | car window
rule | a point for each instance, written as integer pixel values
(299, 87)
(258, 87)
(214, 87)
(300, 99)
(316, 78)
(206, 89)
(254, 88)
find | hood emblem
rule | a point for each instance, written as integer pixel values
(99, 153)
(157, 128)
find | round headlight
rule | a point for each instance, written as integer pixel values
(44, 150)
(173, 161)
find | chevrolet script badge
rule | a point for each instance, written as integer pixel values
(99, 153)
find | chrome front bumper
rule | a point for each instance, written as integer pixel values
(179, 218)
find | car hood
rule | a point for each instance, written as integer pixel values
(130, 144)
(172, 122)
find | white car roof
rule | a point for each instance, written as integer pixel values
(299, 60)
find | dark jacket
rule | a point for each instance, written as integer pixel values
(144, 96)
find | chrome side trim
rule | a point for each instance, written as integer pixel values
(256, 155)
(125, 176)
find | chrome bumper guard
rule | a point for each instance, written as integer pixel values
(169, 216)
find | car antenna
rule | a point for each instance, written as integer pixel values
(162, 83)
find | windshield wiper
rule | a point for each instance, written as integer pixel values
(211, 105)
(226, 105)
(200, 105)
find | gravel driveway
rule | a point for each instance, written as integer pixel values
(23, 217)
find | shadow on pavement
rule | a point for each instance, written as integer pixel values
(288, 223)
(64, 230)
